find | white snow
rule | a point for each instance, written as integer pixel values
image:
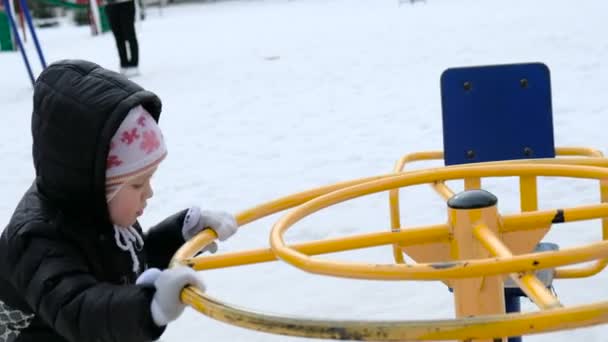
(263, 99)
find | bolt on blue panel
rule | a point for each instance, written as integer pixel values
(497, 112)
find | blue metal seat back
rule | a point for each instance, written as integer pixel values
(497, 112)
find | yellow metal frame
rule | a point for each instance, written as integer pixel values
(497, 257)
(528, 202)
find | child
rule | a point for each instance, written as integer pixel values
(73, 255)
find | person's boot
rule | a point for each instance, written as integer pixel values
(130, 71)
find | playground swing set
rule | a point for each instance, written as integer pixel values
(10, 38)
(497, 122)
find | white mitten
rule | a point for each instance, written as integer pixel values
(223, 223)
(148, 277)
(166, 305)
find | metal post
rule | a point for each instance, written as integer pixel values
(482, 295)
(28, 18)
(96, 18)
(11, 20)
(513, 304)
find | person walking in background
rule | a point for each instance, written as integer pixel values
(121, 15)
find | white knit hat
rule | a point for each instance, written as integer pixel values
(136, 147)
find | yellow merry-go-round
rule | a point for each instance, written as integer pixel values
(497, 122)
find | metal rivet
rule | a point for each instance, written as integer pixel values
(470, 154)
(523, 83)
(528, 152)
(467, 85)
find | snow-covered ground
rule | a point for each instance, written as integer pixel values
(267, 98)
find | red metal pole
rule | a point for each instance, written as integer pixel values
(22, 23)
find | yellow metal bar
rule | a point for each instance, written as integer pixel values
(582, 272)
(398, 254)
(394, 197)
(559, 151)
(578, 151)
(528, 193)
(197, 243)
(445, 270)
(411, 236)
(434, 271)
(484, 327)
(194, 245)
(291, 201)
(443, 190)
(418, 177)
(604, 199)
(531, 220)
(481, 295)
(597, 267)
(528, 282)
(396, 220)
(580, 161)
(471, 183)
(524, 241)
(417, 156)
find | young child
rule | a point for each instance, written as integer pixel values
(73, 256)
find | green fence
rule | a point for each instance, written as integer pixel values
(6, 40)
(105, 24)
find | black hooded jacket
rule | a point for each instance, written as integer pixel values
(62, 277)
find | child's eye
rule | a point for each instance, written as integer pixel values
(138, 186)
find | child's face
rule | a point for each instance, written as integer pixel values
(130, 201)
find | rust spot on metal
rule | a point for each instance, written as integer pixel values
(345, 334)
(559, 216)
(444, 265)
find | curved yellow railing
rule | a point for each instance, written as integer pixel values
(465, 329)
(438, 271)
(528, 196)
(469, 328)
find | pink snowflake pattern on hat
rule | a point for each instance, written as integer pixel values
(113, 161)
(142, 121)
(150, 142)
(129, 136)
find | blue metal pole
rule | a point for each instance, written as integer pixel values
(28, 19)
(512, 304)
(11, 20)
